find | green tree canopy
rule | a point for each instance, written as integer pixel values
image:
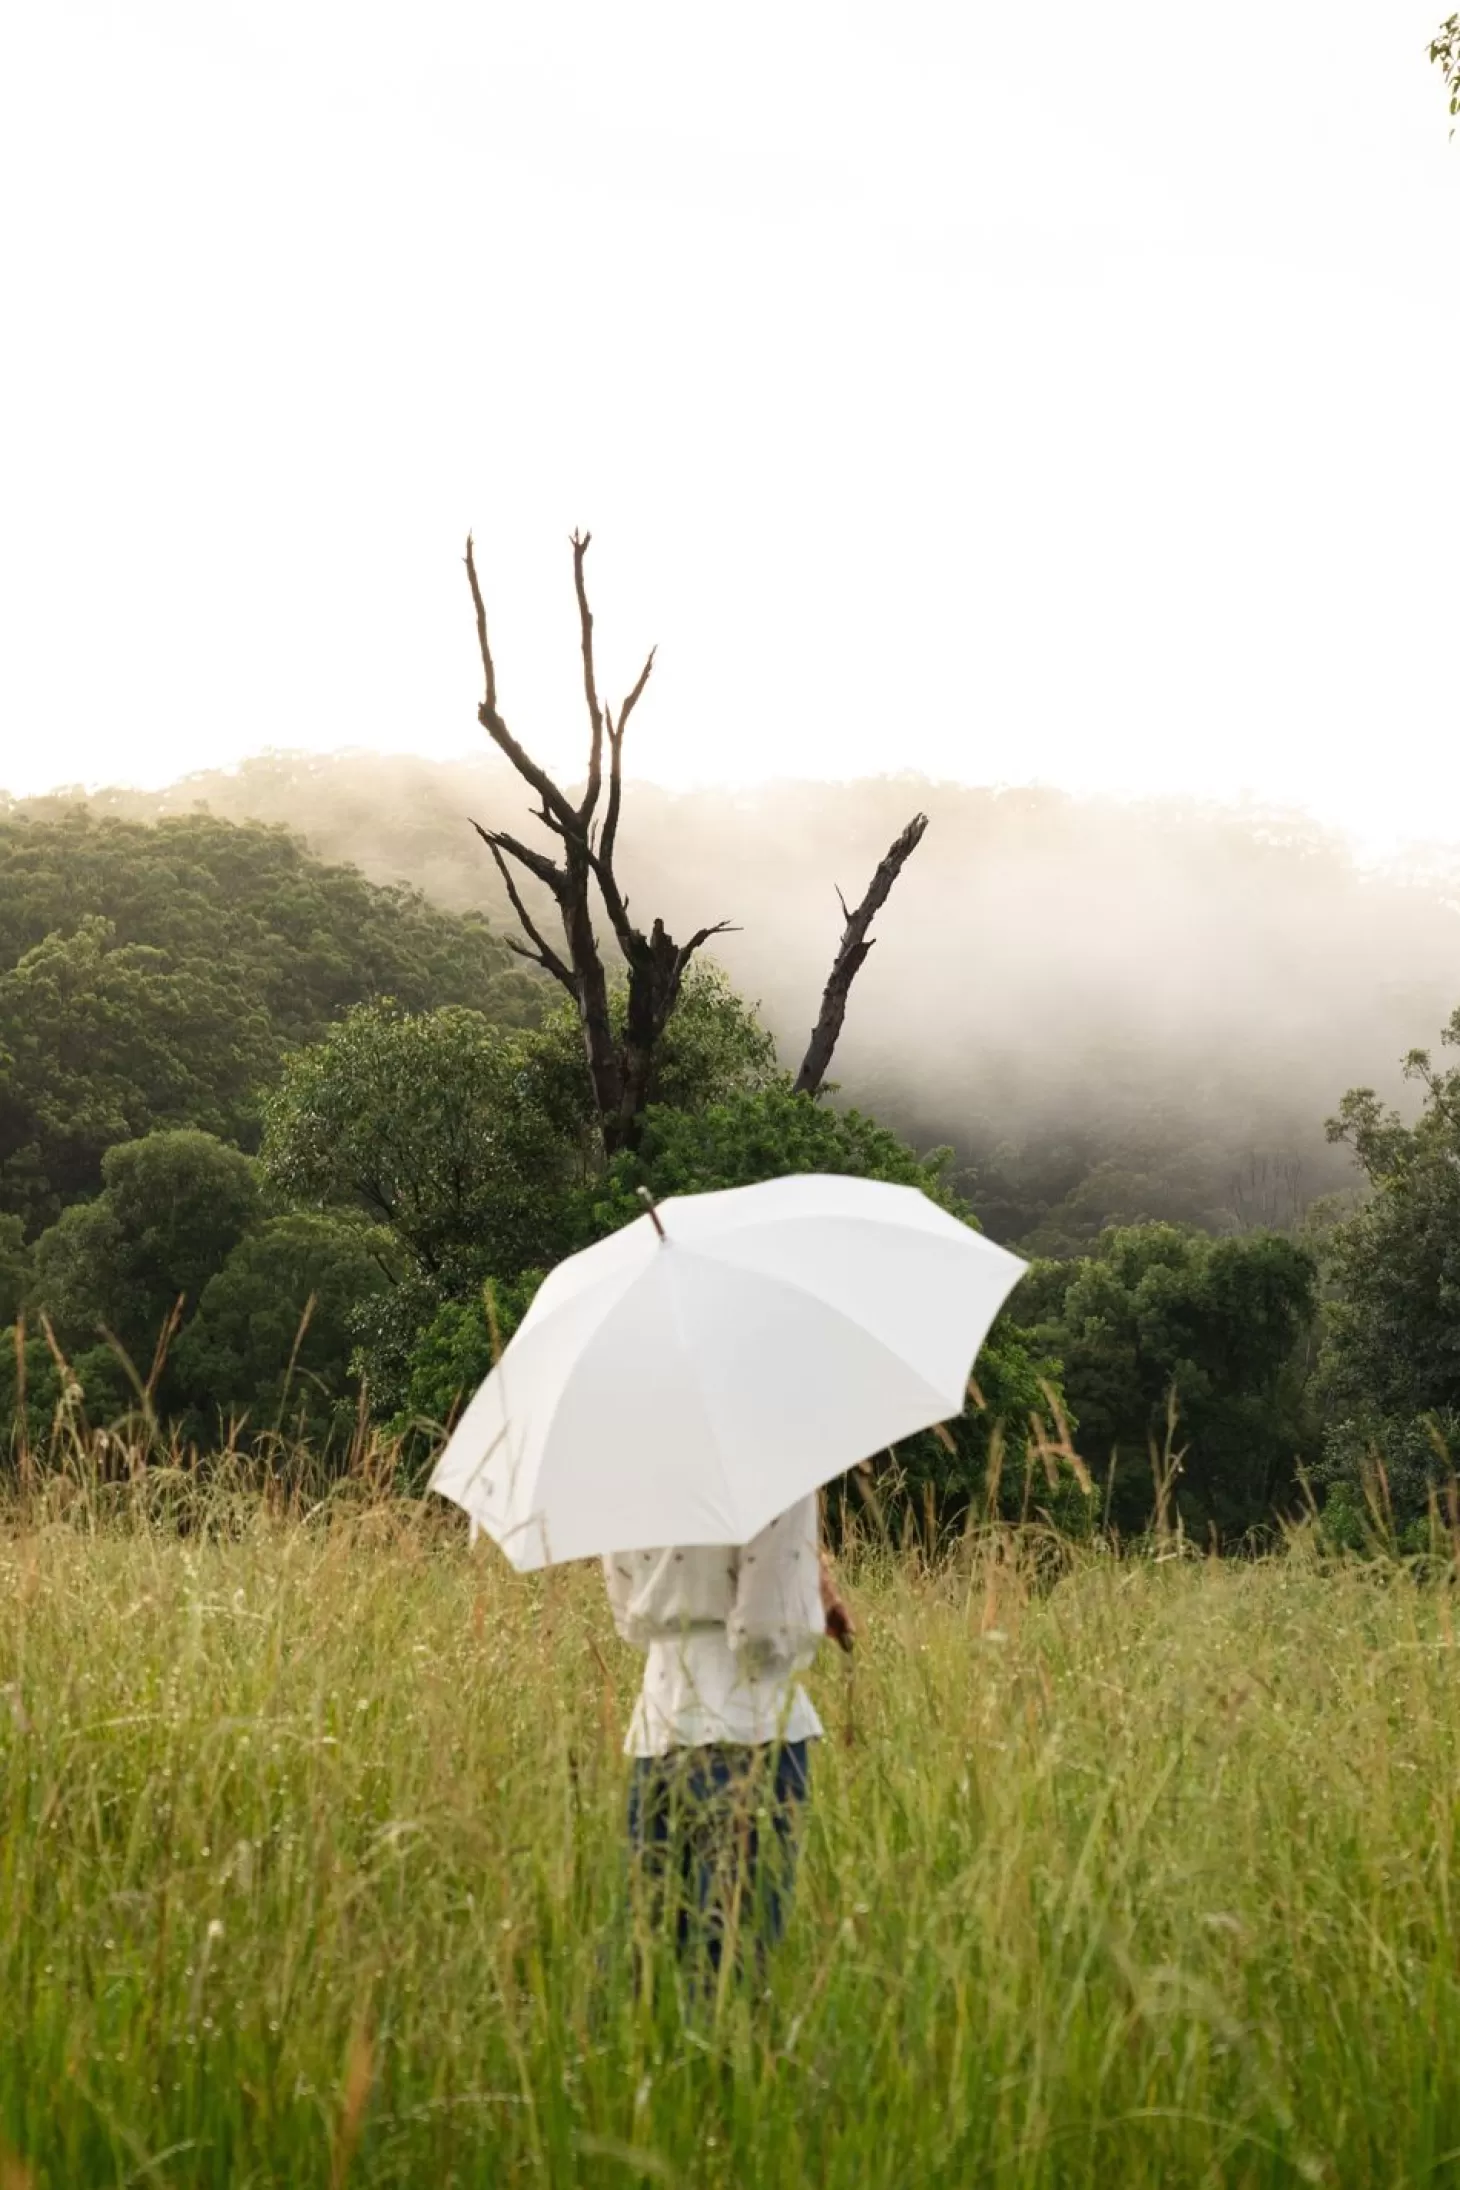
(1391, 1357)
(173, 1206)
(271, 1302)
(753, 1134)
(433, 1124)
(99, 1041)
(1394, 1332)
(1156, 1309)
(1228, 973)
(15, 1269)
(270, 1346)
(309, 937)
(155, 976)
(473, 1146)
(713, 1046)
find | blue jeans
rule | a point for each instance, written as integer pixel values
(714, 1836)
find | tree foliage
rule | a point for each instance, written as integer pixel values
(15, 1269)
(1160, 1316)
(1445, 53)
(1394, 1333)
(459, 1347)
(432, 1126)
(173, 1205)
(753, 1134)
(103, 1040)
(1391, 1364)
(1229, 972)
(272, 1343)
(474, 1148)
(430, 1123)
(157, 976)
(714, 1046)
(41, 1388)
(264, 1304)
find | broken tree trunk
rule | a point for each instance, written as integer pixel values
(851, 956)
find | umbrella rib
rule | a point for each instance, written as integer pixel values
(870, 1338)
(471, 1479)
(732, 1503)
(850, 1315)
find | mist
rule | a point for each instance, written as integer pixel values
(1108, 1010)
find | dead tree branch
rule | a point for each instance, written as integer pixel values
(620, 1058)
(541, 953)
(621, 1046)
(851, 955)
(557, 808)
(590, 677)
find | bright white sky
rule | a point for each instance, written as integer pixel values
(1009, 392)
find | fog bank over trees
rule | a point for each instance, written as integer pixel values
(1110, 1010)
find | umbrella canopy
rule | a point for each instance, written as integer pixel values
(692, 1376)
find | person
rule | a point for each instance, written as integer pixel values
(722, 1730)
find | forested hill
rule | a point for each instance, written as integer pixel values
(1114, 1015)
(1111, 1011)
(155, 975)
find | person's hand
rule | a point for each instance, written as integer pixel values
(839, 1624)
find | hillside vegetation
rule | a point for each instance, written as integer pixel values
(1111, 1012)
(272, 1131)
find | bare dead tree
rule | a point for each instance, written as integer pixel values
(620, 1063)
(851, 955)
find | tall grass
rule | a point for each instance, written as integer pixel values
(1133, 1872)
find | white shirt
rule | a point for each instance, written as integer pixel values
(726, 1631)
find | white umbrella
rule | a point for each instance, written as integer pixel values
(693, 1375)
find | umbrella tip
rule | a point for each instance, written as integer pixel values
(648, 1200)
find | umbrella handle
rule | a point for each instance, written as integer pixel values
(651, 1211)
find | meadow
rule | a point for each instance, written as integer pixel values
(1120, 1871)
